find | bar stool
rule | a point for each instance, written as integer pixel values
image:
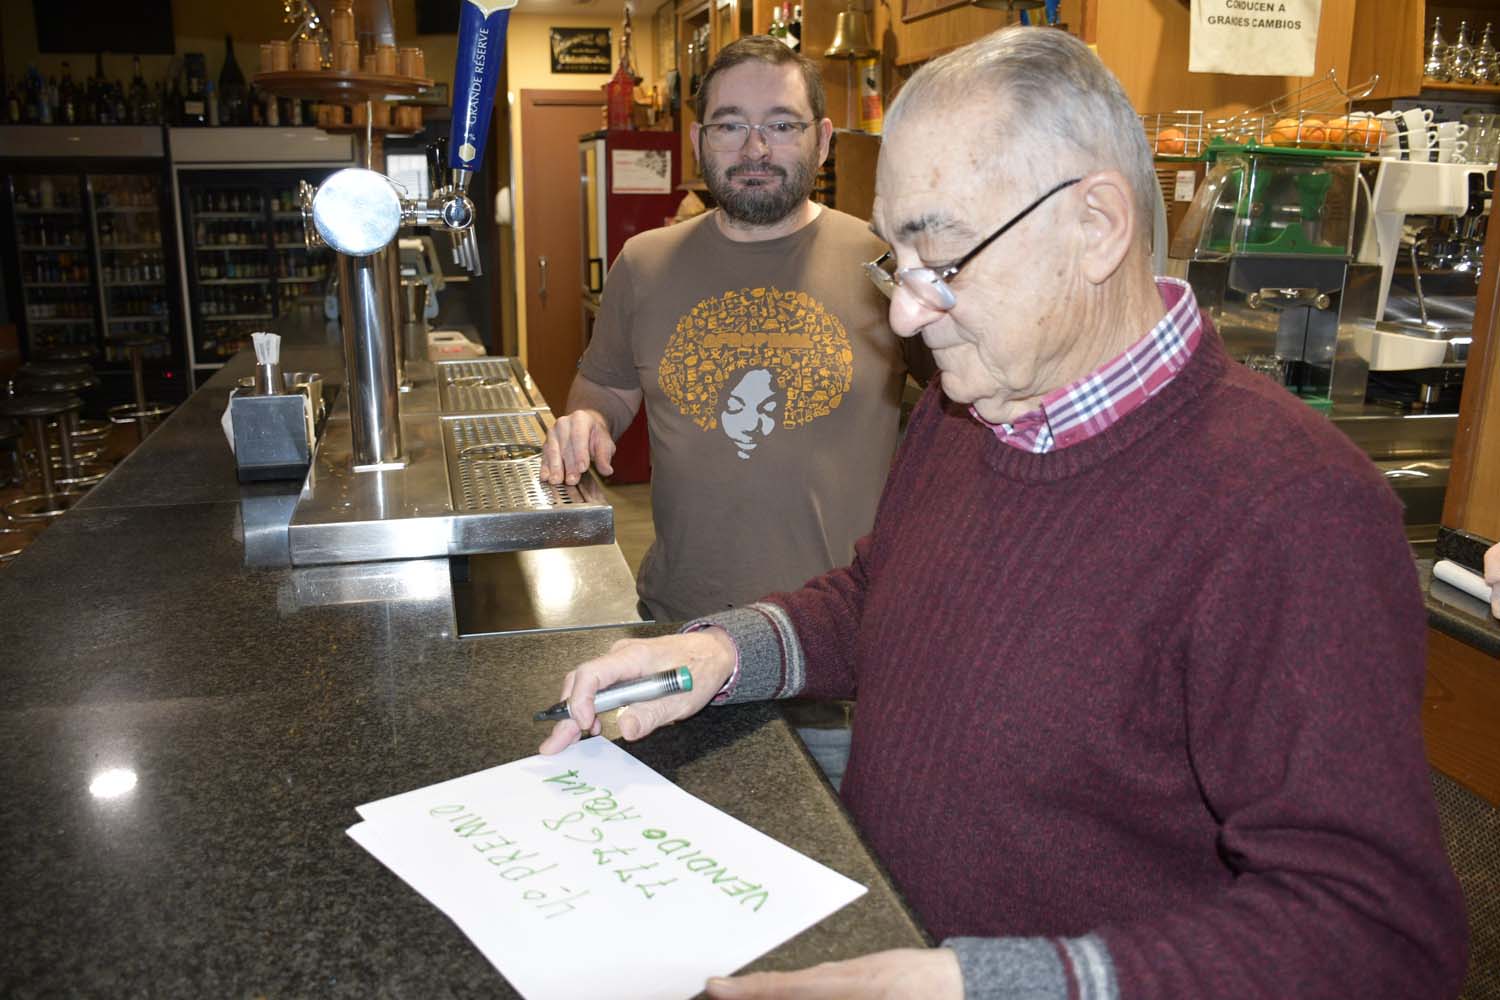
(13, 473)
(68, 352)
(89, 435)
(142, 413)
(36, 409)
(11, 544)
(77, 465)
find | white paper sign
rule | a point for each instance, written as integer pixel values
(1255, 37)
(640, 171)
(587, 873)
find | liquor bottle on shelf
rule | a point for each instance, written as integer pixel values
(232, 109)
(778, 29)
(794, 26)
(171, 102)
(619, 92)
(194, 96)
(139, 98)
(67, 97)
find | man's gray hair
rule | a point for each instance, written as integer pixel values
(1055, 106)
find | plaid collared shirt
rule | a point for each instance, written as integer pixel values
(1078, 411)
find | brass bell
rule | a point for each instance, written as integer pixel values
(851, 36)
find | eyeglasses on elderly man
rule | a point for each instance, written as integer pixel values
(929, 285)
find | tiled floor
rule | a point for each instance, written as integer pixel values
(634, 531)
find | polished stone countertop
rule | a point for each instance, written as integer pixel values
(1455, 613)
(256, 706)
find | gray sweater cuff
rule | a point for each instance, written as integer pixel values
(771, 663)
(1033, 968)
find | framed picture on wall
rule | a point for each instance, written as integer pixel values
(582, 50)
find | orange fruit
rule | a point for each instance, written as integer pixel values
(1283, 133)
(1313, 131)
(1337, 127)
(1171, 141)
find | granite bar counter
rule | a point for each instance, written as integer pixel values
(253, 707)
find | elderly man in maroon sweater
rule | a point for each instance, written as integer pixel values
(1136, 636)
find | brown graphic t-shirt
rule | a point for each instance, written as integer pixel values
(772, 388)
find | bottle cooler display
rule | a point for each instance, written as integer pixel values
(132, 271)
(91, 263)
(247, 263)
(57, 288)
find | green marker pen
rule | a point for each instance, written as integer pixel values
(628, 693)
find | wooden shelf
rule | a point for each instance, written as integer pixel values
(1428, 83)
(389, 131)
(339, 88)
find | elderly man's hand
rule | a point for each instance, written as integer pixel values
(1492, 577)
(905, 974)
(573, 441)
(709, 655)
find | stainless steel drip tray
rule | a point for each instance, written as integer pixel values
(470, 485)
(485, 385)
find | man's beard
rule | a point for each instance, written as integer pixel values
(761, 205)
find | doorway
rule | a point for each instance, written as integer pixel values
(551, 267)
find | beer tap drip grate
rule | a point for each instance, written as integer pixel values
(481, 385)
(494, 460)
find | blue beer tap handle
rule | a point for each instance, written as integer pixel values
(476, 72)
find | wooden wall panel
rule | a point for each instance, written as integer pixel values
(1460, 707)
(1473, 498)
(1145, 43)
(1388, 41)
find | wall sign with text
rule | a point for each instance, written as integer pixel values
(581, 50)
(1254, 37)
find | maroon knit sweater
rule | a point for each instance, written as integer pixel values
(1161, 687)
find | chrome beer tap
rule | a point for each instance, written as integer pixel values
(359, 214)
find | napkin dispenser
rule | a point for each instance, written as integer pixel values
(272, 435)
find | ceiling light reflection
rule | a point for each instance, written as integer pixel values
(113, 783)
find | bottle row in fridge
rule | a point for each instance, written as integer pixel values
(49, 268)
(252, 301)
(136, 302)
(221, 340)
(236, 233)
(58, 304)
(64, 193)
(243, 267)
(116, 232)
(136, 229)
(48, 233)
(238, 300)
(43, 193)
(243, 201)
(68, 339)
(65, 304)
(45, 268)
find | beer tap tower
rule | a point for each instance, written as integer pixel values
(440, 465)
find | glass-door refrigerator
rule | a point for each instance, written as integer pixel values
(245, 264)
(87, 251)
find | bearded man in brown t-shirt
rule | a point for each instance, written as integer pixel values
(770, 377)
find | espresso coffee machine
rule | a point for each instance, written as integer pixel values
(1427, 233)
(1268, 246)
